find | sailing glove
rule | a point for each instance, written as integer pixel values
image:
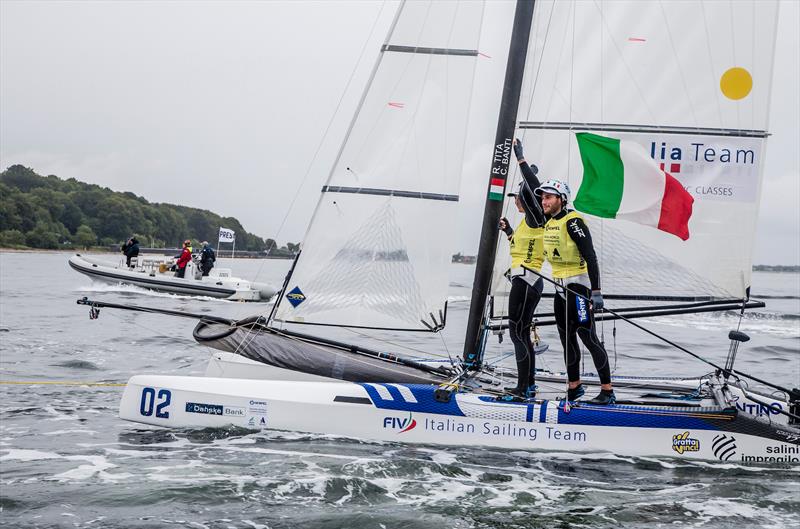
(597, 300)
(518, 149)
(506, 227)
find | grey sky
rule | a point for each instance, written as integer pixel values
(223, 105)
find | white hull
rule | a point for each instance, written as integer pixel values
(231, 288)
(231, 365)
(410, 414)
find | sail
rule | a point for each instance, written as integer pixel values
(689, 82)
(377, 251)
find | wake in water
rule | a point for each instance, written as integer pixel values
(97, 287)
(306, 479)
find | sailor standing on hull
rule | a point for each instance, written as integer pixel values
(526, 287)
(568, 247)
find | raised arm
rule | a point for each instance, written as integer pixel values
(534, 215)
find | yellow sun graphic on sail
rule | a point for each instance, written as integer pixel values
(736, 83)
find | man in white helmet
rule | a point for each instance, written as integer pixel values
(568, 247)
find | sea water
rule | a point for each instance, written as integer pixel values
(67, 460)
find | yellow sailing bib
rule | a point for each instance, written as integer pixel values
(561, 250)
(526, 247)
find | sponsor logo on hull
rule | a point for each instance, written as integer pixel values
(199, 407)
(257, 407)
(403, 425)
(257, 422)
(723, 446)
(493, 429)
(683, 443)
(725, 449)
(775, 454)
(214, 409)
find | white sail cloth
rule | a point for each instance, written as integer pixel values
(379, 245)
(690, 82)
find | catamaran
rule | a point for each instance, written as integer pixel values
(686, 82)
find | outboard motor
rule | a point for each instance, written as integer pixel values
(191, 271)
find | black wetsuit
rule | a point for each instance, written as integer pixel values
(524, 297)
(207, 259)
(131, 250)
(574, 317)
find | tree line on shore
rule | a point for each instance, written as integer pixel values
(51, 213)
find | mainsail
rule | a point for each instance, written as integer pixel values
(376, 253)
(689, 82)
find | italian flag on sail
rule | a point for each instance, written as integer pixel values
(621, 181)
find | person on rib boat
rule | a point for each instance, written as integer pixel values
(184, 258)
(207, 258)
(526, 287)
(130, 249)
(568, 247)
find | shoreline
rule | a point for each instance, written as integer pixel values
(790, 269)
(94, 251)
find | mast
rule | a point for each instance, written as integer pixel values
(512, 86)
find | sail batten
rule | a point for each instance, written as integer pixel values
(620, 127)
(430, 51)
(390, 192)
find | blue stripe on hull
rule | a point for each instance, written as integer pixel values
(640, 417)
(579, 415)
(423, 393)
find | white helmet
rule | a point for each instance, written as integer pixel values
(555, 187)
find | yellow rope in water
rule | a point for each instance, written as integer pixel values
(59, 383)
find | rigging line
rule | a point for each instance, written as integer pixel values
(753, 53)
(327, 128)
(553, 91)
(252, 332)
(677, 62)
(712, 71)
(447, 91)
(602, 260)
(627, 67)
(733, 31)
(498, 359)
(535, 79)
(362, 351)
(447, 350)
(402, 76)
(422, 89)
(735, 61)
(567, 340)
(516, 171)
(385, 341)
(153, 331)
(351, 356)
(666, 340)
(603, 249)
(571, 84)
(413, 121)
(279, 295)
